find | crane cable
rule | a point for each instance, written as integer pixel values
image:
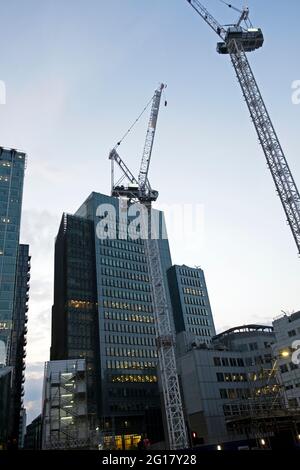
(134, 123)
(236, 9)
(230, 6)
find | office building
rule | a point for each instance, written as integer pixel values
(18, 342)
(226, 381)
(13, 278)
(103, 312)
(5, 404)
(190, 302)
(12, 166)
(286, 351)
(33, 436)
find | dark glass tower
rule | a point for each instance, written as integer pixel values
(12, 166)
(108, 280)
(190, 302)
(75, 313)
(18, 342)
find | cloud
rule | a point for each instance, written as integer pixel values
(38, 230)
(33, 389)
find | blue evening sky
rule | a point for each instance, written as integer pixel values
(78, 73)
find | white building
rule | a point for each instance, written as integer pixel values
(286, 351)
(64, 416)
(230, 378)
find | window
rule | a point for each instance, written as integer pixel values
(225, 362)
(292, 333)
(220, 377)
(293, 403)
(217, 361)
(253, 346)
(223, 393)
(284, 368)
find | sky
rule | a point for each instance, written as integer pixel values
(78, 73)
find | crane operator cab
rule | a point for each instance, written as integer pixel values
(249, 39)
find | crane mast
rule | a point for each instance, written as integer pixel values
(236, 42)
(139, 190)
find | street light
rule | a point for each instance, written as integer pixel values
(285, 353)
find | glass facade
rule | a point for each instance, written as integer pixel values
(17, 351)
(128, 400)
(12, 166)
(190, 301)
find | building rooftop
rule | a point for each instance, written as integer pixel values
(245, 329)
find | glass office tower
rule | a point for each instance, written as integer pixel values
(190, 302)
(12, 166)
(110, 291)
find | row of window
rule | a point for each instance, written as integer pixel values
(199, 331)
(234, 410)
(132, 392)
(116, 263)
(196, 311)
(123, 255)
(128, 328)
(121, 284)
(198, 321)
(125, 274)
(191, 282)
(293, 333)
(120, 316)
(228, 377)
(189, 272)
(126, 407)
(5, 163)
(133, 378)
(123, 246)
(124, 294)
(190, 291)
(226, 362)
(292, 384)
(127, 306)
(288, 367)
(130, 365)
(234, 393)
(194, 301)
(82, 304)
(131, 340)
(81, 342)
(258, 360)
(124, 352)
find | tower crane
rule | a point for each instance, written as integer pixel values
(237, 40)
(139, 190)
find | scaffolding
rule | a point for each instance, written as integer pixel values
(65, 416)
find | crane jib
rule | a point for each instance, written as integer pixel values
(236, 42)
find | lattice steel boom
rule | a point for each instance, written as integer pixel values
(238, 41)
(140, 191)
